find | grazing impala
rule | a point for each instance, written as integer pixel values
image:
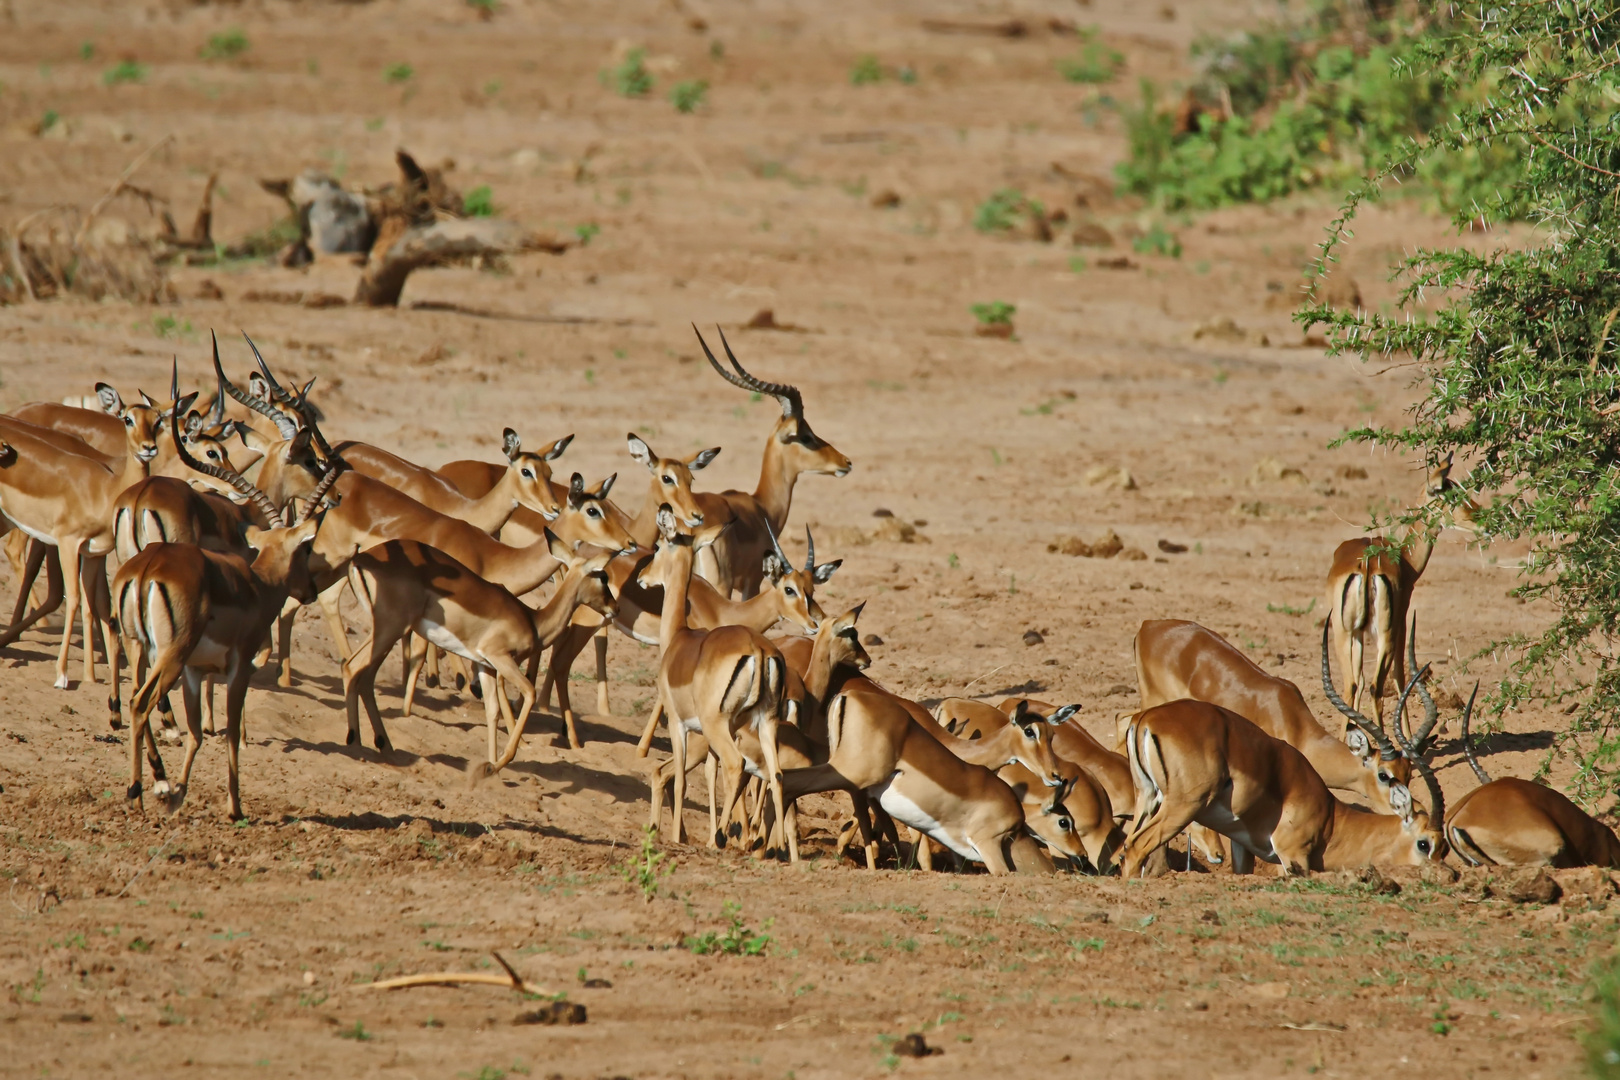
(191, 611)
(1193, 761)
(1176, 659)
(1513, 822)
(1370, 589)
(757, 517)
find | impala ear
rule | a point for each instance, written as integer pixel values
(1062, 715)
(1356, 740)
(576, 491)
(179, 408)
(109, 398)
(823, 573)
(601, 490)
(855, 612)
(194, 424)
(702, 458)
(666, 524)
(775, 569)
(1400, 801)
(558, 548)
(257, 386)
(555, 450)
(511, 445)
(641, 451)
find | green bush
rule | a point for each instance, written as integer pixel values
(1602, 1039)
(1003, 211)
(479, 202)
(735, 940)
(1095, 63)
(866, 71)
(688, 96)
(125, 71)
(631, 78)
(398, 73)
(228, 45)
(994, 313)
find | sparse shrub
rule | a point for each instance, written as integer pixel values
(994, 313)
(1157, 241)
(1095, 62)
(398, 73)
(1004, 210)
(125, 71)
(586, 232)
(225, 46)
(631, 78)
(645, 869)
(479, 202)
(735, 940)
(1602, 1039)
(866, 71)
(688, 96)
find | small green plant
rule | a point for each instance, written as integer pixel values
(167, 326)
(1095, 63)
(358, 1033)
(994, 313)
(631, 78)
(644, 871)
(587, 232)
(1440, 1017)
(688, 96)
(479, 202)
(1157, 241)
(125, 71)
(1081, 946)
(1077, 264)
(735, 940)
(1286, 609)
(1004, 210)
(398, 73)
(225, 46)
(1602, 1037)
(866, 71)
(485, 8)
(140, 945)
(87, 50)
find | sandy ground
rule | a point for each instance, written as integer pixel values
(132, 945)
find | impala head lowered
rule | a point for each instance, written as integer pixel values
(1035, 734)
(1366, 739)
(672, 477)
(807, 452)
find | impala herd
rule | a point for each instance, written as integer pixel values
(755, 679)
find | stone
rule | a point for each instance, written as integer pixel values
(1590, 883)
(1525, 885)
(1033, 637)
(1107, 544)
(1171, 548)
(1133, 554)
(1110, 476)
(1091, 234)
(1270, 470)
(1070, 545)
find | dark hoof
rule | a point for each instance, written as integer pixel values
(353, 739)
(477, 688)
(432, 680)
(384, 748)
(134, 793)
(115, 721)
(461, 683)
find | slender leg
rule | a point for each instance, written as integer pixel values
(69, 554)
(677, 742)
(602, 705)
(710, 766)
(494, 702)
(644, 743)
(511, 674)
(190, 698)
(235, 696)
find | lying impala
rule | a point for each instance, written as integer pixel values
(759, 516)
(190, 611)
(1197, 762)
(1176, 659)
(1369, 589)
(405, 585)
(1513, 822)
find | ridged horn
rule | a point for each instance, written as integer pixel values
(1386, 749)
(1437, 798)
(235, 479)
(788, 396)
(286, 426)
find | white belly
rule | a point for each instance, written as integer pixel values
(209, 655)
(904, 810)
(445, 640)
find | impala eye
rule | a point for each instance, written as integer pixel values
(213, 455)
(1065, 824)
(1029, 733)
(593, 512)
(1385, 778)
(790, 592)
(129, 421)
(669, 482)
(1423, 846)
(528, 475)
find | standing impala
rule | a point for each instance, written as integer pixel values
(1193, 761)
(191, 611)
(1513, 822)
(1369, 591)
(714, 681)
(792, 450)
(1177, 659)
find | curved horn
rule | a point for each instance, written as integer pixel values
(810, 551)
(776, 547)
(1437, 798)
(216, 415)
(1368, 728)
(298, 403)
(1468, 743)
(314, 503)
(174, 380)
(235, 479)
(792, 403)
(724, 374)
(1420, 738)
(285, 425)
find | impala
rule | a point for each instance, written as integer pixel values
(1176, 659)
(1075, 820)
(1513, 822)
(1197, 762)
(714, 681)
(60, 492)
(191, 611)
(405, 585)
(1369, 589)
(758, 516)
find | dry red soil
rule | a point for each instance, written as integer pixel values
(136, 945)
